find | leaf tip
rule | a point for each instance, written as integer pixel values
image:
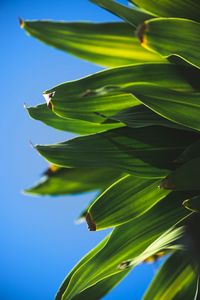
(48, 97)
(32, 145)
(90, 222)
(21, 23)
(140, 32)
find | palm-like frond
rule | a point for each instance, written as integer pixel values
(140, 124)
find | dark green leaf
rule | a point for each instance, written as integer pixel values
(190, 152)
(184, 178)
(181, 107)
(176, 280)
(141, 116)
(107, 44)
(126, 199)
(73, 181)
(145, 151)
(44, 114)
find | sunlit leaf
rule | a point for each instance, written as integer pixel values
(100, 95)
(62, 181)
(176, 280)
(127, 241)
(168, 8)
(126, 199)
(172, 36)
(106, 44)
(131, 15)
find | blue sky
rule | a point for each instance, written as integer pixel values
(39, 241)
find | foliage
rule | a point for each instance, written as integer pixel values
(138, 145)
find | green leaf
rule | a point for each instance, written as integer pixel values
(94, 96)
(193, 203)
(126, 241)
(182, 107)
(184, 178)
(141, 151)
(44, 114)
(100, 289)
(141, 116)
(168, 8)
(163, 36)
(62, 181)
(176, 280)
(126, 199)
(132, 16)
(106, 44)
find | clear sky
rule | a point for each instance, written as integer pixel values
(39, 241)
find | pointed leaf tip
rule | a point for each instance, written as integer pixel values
(48, 97)
(31, 144)
(90, 222)
(140, 32)
(21, 22)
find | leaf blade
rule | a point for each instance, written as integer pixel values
(126, 199)
(106, 44)
(143, 151)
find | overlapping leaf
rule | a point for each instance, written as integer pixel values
(176, 280)
(127, 241)
(172, 36)
(131, 15)
(126, 199)
(44, 114)
(145, 152)
(62, 181)
(100, 95)
(181, 107)
(107, 44)
(142, 116)
(169, 8)
(184, 178)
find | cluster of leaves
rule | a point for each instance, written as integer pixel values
(139, 122)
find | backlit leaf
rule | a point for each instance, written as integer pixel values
(44, 114)
(176, 280)
(126, 199)
(101, 95)
(172, 36)
(126, 241)
(62, 181)
(132, 15)
(106, 44)
(145, 152)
